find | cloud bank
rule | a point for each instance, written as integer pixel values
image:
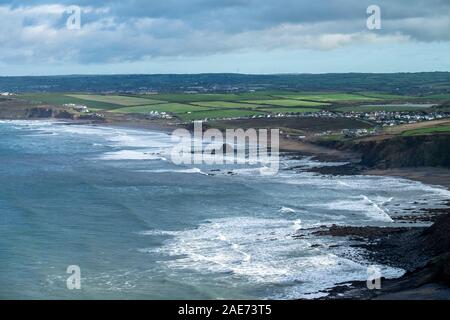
(135, 30)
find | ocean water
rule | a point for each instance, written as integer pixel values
(110, 201)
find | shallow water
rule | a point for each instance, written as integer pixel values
(110, 201)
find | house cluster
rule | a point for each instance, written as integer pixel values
(158, 115)
(6, 94)
(77, 107)
(386, 118)
(271, 115)
(382, 118)
(352, 133)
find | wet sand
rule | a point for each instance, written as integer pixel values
(427, 175)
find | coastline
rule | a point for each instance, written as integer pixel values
(427, 268)
(404, 240)
(424, 252)
(424, 278)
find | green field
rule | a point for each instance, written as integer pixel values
(203, 97)
(385, 96)
(60, 99)
(386, 107)
(227, 105)
(217, 114)
(163, 107)
(194, 105)
(329, 97)
(119, 100)
(289, 110)
(422, 131)
(191, 97)
(444, 96)
(288, 103)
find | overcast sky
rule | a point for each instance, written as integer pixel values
(247, 36)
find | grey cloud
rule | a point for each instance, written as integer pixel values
(136, 29)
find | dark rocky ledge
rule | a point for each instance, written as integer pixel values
(423, 252)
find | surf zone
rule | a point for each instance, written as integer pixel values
(236, 146)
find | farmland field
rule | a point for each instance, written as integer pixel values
(429, 130)
(388, 96)
(400, 129)
(60, 99)
(329, 97)
(288, 103)
(386, 107)
(289, 110)
(443, 96)
(235, 104)
(199, 97)
(227, 105)
(164, 107)
(119, 100)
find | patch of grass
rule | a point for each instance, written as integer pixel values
(164, 107)
(191, 97)
(387, 107)
(288, 103)
(205, 97)
(289, 110)
(60, 99)
(264, 95)
(329, 97)
(227, 105)
(430, 130)
(443, 96)
(385, 96)
(333, 137)
(118, 100)
(218, 114)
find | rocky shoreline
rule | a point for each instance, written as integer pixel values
(423, 252)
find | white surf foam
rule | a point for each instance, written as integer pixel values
(263, 251)
(157, 233)
(361, 204)
(130, 155)
(189, 170)
(286, 210)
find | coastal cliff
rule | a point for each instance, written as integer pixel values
(399, 151)
(423, 252)
(16, 110)
(19, 112)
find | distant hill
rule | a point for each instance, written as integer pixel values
(400, 83)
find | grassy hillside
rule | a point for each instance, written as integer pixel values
(231, 105)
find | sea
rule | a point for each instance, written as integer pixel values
(108, 202)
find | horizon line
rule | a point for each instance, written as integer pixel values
(215, 73)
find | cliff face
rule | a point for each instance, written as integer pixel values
(415, 151)
(39, 113)
(27, 112)
(44, 112)
(399, 151)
